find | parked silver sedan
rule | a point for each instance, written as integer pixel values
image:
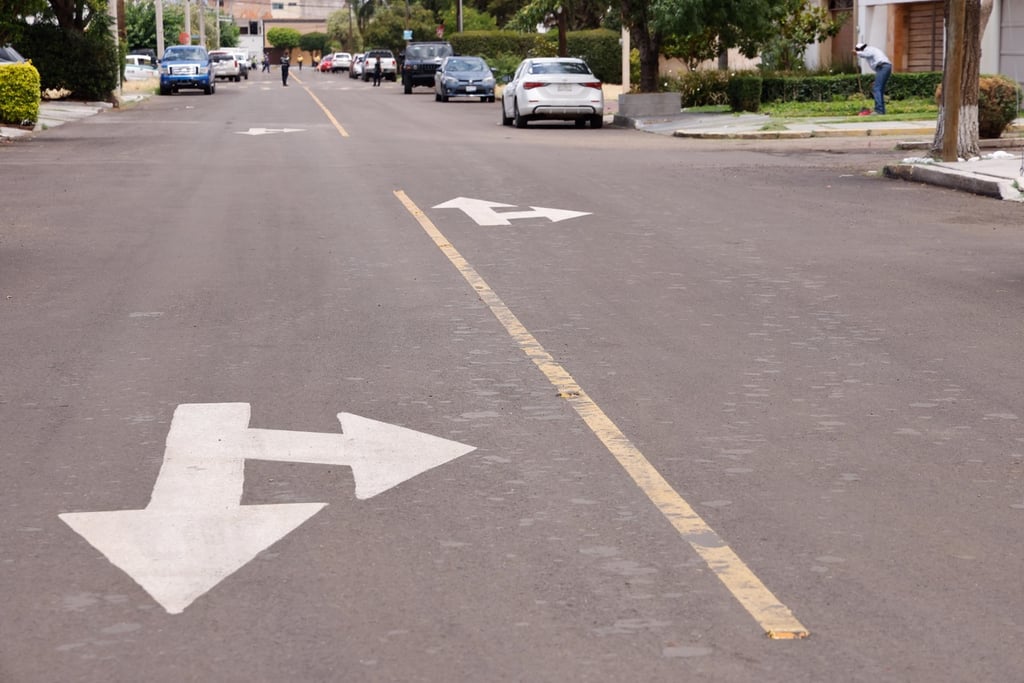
(463, 77)
(558, 88)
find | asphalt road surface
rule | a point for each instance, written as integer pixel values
(331, 383)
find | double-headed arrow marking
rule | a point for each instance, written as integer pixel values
(194, 533)
(483, 211)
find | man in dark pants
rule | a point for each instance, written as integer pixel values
(882, 66)
(284, 68)
(376, 72)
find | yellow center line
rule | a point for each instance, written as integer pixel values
(774, 618)
(330, 116)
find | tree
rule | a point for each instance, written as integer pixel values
(284, 38)
(802, 25)
(975, 19)
(314, 42)
(579, 14)
(472, 20)
(12, 17)
(388, 25)
(647, 37)
(342, 29)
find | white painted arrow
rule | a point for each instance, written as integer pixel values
(194, 532)
(268, 131)
(483, 211)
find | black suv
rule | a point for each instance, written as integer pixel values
(420, 61)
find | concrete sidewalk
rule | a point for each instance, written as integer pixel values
(998, 173)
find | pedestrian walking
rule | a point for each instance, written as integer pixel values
(285, 61)
(376, 72)
(882, 66)
(300, 62)
(266, 62)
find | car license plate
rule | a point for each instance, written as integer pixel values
(564, 87)
(470, 88)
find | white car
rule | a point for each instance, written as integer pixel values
(139, 68)
(557, 88)
(225, 65)
(356, 69)
(341, 61)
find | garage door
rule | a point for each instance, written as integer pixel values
(924, 36)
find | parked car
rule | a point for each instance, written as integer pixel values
(325, 63)
(356, 70)
(558, 88)
(388, 65)
(420, 61)
(243, 62)
(341, 61)
(225, 66)
(186, 66)
(139, 68)
(8, 55)
(464, 77)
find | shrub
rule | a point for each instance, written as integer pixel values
(86, 64)
(998, 104)
(19, 94)
(744, 91)
(701, 88)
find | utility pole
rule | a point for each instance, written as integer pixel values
(159, 29)
(188, 20)
(951, 85)
(202, 22)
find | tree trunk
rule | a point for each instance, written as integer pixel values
(636, 15)
(967, 139)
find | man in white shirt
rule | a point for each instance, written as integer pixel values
(882, 66)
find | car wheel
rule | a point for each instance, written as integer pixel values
(407, 87)
(505, 121)
(596, 121)
(208, 89)
(444, 98)
(518, 119)
(580, 122)
(238, 79)
(165, 90)
(437, 96)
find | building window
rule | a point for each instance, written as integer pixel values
(277, 5)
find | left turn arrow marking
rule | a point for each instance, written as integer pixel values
(195, 532)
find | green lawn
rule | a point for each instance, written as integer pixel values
(897, 110)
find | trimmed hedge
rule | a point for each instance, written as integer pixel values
(698, 88)
(19, 94)
(599, 48)
(745, 91)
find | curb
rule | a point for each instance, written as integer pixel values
(986, 186)
(804, 134)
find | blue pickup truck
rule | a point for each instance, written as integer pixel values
(186, 66)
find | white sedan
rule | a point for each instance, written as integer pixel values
(560, 88)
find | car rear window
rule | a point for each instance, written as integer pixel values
(560, 68)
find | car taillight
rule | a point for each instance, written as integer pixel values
(596, 85)
(530, 85)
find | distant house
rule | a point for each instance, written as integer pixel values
(254, 17)
(911, 32)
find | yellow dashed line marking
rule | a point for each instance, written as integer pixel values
(773, 617)
(327, 112)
